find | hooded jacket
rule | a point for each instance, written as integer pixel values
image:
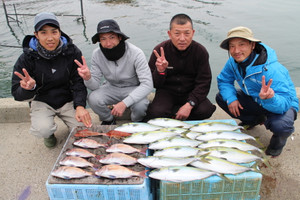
(265, 64)
(57, 79)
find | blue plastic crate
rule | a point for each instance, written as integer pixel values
(99, 192)
(244, 186)
(78, 189)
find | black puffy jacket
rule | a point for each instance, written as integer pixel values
(57, 79)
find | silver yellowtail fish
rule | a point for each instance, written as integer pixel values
(118, 171)
(149, 136)
(75, 162)
(220, 165)
(232, 154)
(180, 174)
(234, 135)
(118, 159)
(67, 172)
(79, 152)
(173, 141)
(168, 122)
(88, 143)
(124, 148)
(178, 151)
(229, 143)
(214, 126)
(134, 127)
(159, 162)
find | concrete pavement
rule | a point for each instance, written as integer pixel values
(26, 162)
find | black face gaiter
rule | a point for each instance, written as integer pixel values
(115, 53)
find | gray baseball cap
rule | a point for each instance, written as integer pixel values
(44, 18)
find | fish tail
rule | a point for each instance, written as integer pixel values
(143, 173)
(143, 150)
(259, 142)
(224, 177)
(255, 168)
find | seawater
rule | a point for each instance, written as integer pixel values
(146, 22)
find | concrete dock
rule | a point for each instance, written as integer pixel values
(27, 163)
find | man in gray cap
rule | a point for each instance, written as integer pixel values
(267, 94)
(126, 72)
(46, 75)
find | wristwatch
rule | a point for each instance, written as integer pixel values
(191, 103)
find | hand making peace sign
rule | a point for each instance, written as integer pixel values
(26, 81)
(161, 62)
(83, 69)
(266, 92)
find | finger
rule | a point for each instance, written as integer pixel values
(78, 63)
(269, 83)
(83, 60)
(162, 52)
(26, 73)
(263, 81)
(156, 54)
(19, 75)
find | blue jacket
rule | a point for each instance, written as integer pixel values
(285, 94)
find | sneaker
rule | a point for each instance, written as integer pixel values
(273, 152)
(50, 142)
(112, 122)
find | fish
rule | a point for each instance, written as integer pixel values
(232, 155)
(134, 127)
(118, 159)
(87, 133)
(149, 136)
(118, 171)
(235, 135)
(117, 134)
(159, 161)
(214, 126)
(229, 143)
(180, 174)
(220, 165)
(79, 152)
(178, 151)
(67, 172)
(173, 141)
(125, 148)
(88, 143)
(169, 122)
(75, 162)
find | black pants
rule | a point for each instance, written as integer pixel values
(166, 105)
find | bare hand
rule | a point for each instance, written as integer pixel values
(26, 81)
(83, 69)
(266, 92)
(82, 115)
(184, 112)
(235, 107)
(118, 109)
(161, 62)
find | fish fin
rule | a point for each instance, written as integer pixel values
(259, 142)
(143, 173)
(143, 150)
(112, 177)
(225, 178)
(200, 157)
(98, 157)
(184, 134)
(255, 168)
(25, 194)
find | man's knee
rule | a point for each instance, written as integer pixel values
(43, 129)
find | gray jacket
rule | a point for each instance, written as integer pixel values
(131, 70)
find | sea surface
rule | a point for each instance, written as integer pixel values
(275, 22)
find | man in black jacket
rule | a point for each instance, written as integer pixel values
(46, 75)
(181, 75)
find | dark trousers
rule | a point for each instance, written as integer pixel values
(166, 105)
(281, 125)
